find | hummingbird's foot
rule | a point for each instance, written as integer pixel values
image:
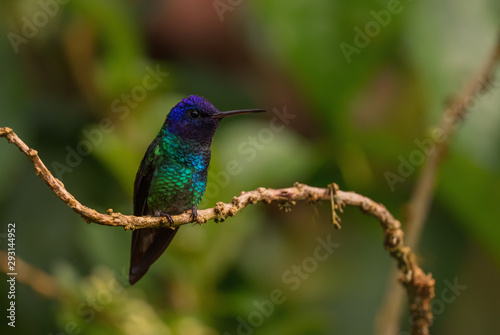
(169, 218)
(165, 215)
(194, 214)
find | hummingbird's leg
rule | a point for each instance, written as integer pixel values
(165, 215)
(194, 214)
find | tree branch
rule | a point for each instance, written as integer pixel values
(35, 278)
(419, 286)
(423, 193)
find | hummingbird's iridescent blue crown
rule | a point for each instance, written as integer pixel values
(193, 102)
(180, 120)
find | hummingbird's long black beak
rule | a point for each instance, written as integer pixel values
(222, 115)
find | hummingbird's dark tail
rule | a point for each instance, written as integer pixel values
(147, 246)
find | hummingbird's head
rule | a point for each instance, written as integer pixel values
(196, 118)
(192, 118)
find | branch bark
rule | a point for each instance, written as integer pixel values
(423, 193)
(419, 286)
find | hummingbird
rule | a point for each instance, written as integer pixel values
(172, 176)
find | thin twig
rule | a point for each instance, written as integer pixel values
(420, 287)
(333, 188)
(423, 193)
(35, 278)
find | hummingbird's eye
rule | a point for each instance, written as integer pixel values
(194, 114)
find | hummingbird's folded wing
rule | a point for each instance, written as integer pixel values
(150, 243)
(143, 180)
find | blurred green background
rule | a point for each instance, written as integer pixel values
(76, 72)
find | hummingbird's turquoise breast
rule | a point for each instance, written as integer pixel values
(180, 177)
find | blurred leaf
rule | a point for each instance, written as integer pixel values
(470, 192)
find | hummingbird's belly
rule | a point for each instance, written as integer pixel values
(175, 189)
